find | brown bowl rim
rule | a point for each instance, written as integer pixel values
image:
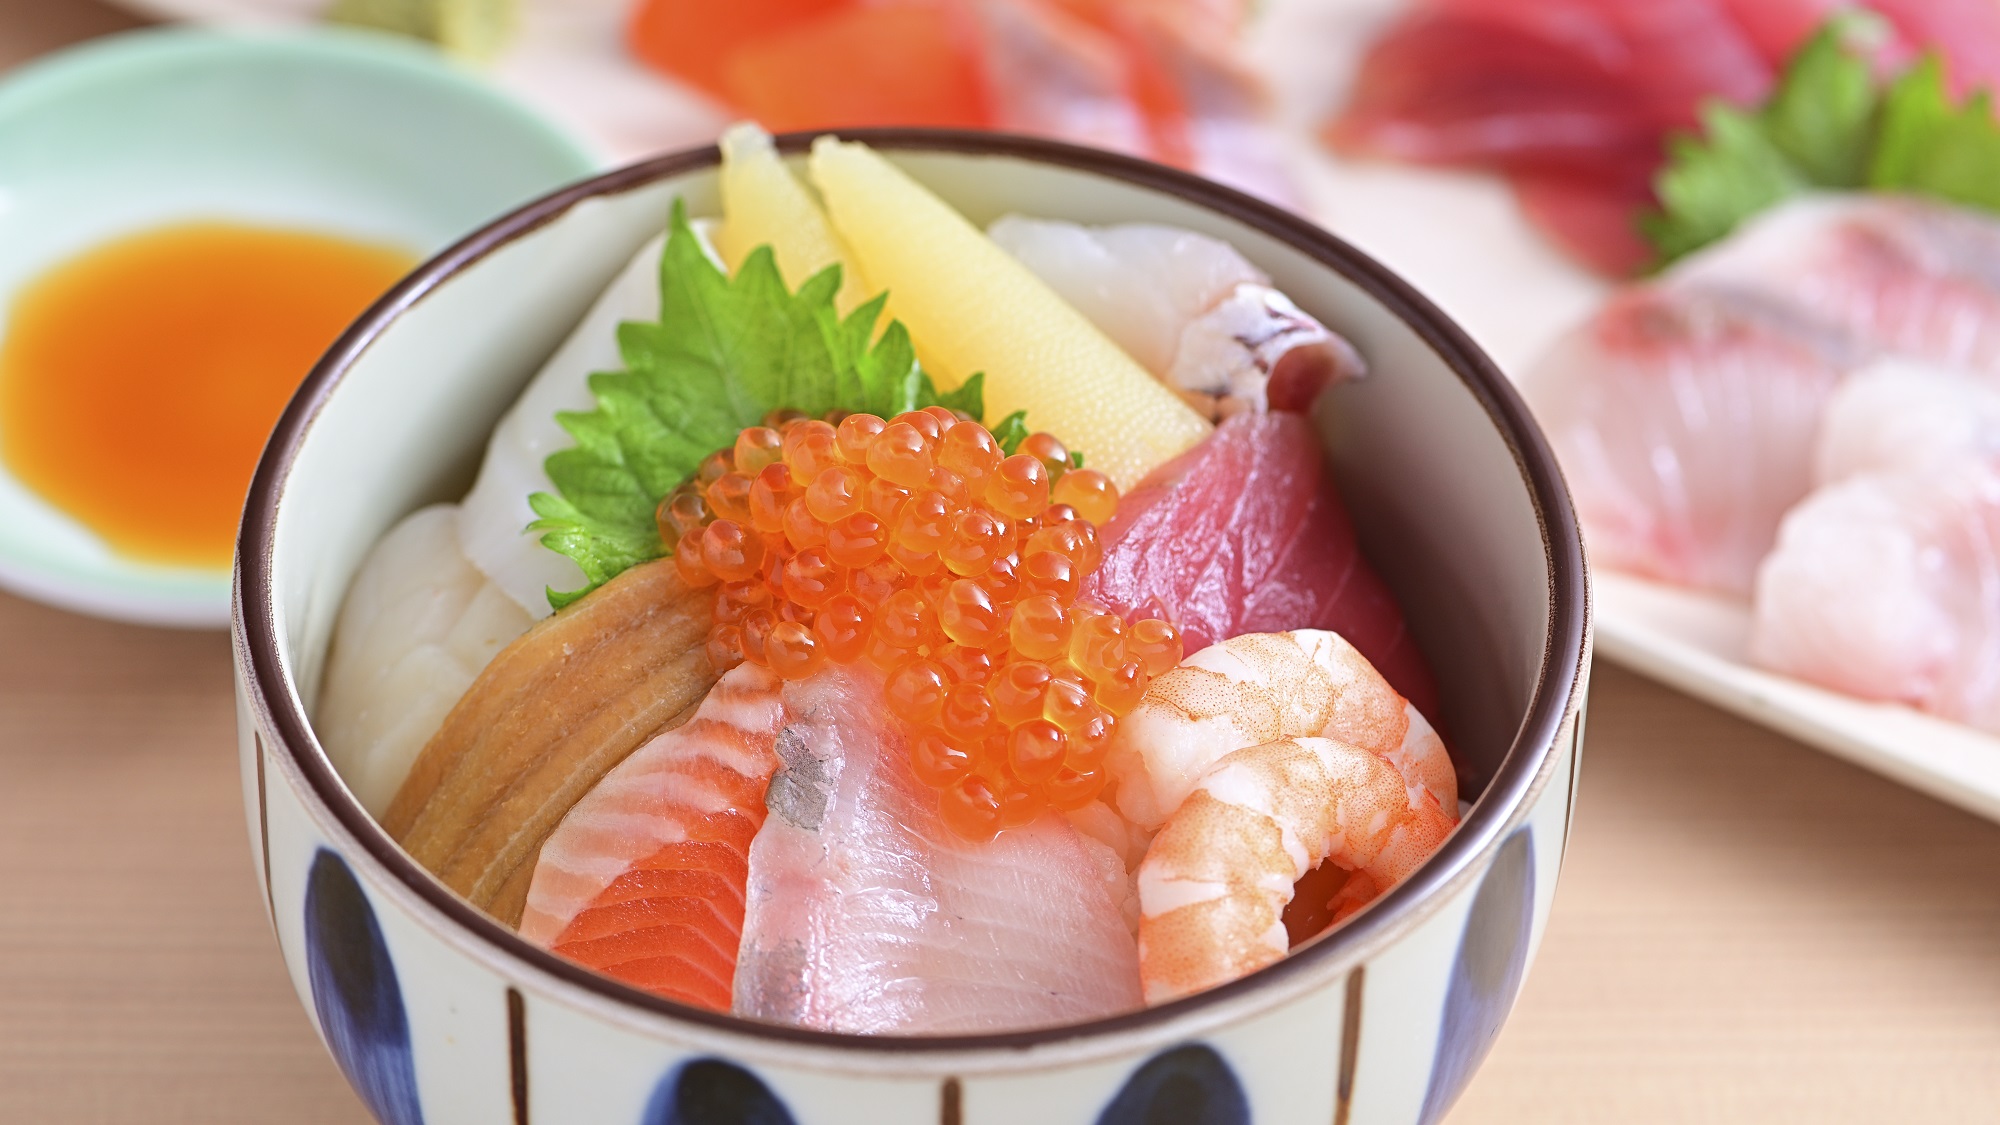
(1534, 742)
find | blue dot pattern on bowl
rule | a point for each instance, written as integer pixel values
(714, 1092)
(1190, 1085)
(1492, 956)
(354, 991)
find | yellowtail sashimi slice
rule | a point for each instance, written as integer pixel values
(864, 914)
(971, 307)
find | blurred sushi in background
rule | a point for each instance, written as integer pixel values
(1161, 79)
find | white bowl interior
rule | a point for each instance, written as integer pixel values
(1442, 504)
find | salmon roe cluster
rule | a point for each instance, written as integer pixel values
(918, 546)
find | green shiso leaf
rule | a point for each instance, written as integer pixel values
(1822, 115)
(1816, 131)
(1011, 432)
(725, 352)
(1931, 147)
(1714, 183)
(1828, 126)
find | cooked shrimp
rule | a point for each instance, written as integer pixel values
(1214, 885)
(1258, 759)
(1258, 688)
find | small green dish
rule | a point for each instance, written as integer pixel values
(350, 133)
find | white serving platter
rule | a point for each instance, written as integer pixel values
(1696, 642)
(1457, 236)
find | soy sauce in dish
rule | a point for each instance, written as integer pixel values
(139, 379)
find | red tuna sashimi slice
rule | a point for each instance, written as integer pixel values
(1965, 32)
(1508, 84)
(1591, 216)
(866, 915)
(1246, 533)
(643, 880)
(1572, 98)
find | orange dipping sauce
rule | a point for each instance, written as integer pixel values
(139, 380)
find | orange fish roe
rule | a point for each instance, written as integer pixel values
(918, 546)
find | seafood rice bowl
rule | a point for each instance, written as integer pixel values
(913, 626)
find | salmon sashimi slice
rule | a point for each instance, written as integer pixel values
(900, 63)
(550, 715)
(865, 914)
(1246, 533)
(643, 880)
(694, 39)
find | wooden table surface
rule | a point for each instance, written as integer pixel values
(1746, 931)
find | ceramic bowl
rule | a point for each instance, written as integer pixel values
(349, 133)
(438, 1014)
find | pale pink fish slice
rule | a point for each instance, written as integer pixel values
(1883, 586)
(1684, 420)
(865, 915)
(1898, 274)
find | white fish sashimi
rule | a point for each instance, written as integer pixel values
(1191, 309)
(864, 914)
(493, 520)
(494, 516)
(419, 623)
(448, 588)
(1684, 421)
(1883, 586)
(1685, 412)
(1900, 416)
(1900, 274)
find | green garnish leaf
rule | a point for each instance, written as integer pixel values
(1823, 112)
(725, 352)
(1011, 432)
(1929, 146)
(1714, 183)
(1828, 126)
